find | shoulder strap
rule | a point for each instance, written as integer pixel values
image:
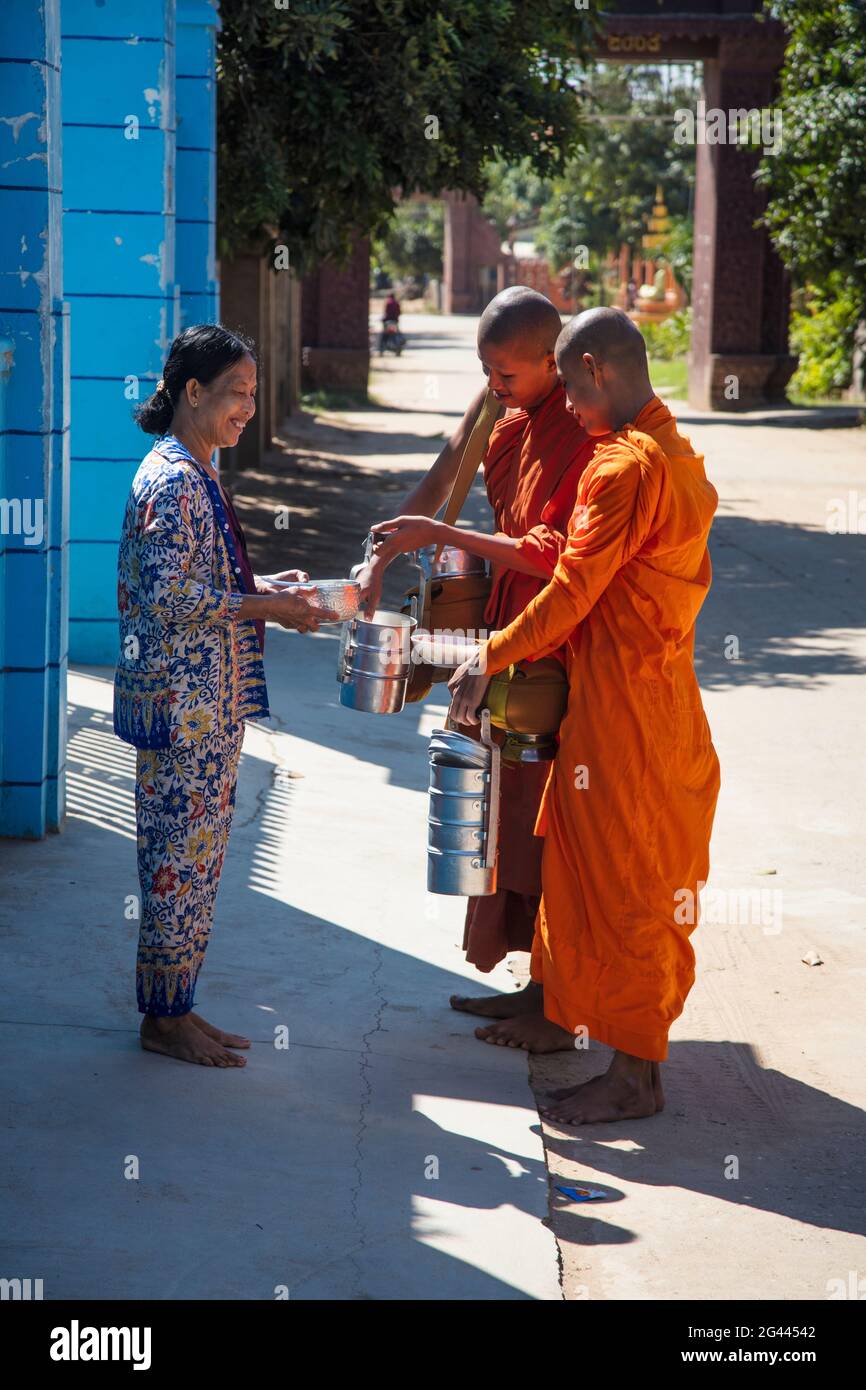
(472, 456)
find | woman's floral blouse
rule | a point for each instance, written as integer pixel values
(189, 667)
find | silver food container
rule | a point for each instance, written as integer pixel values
(452, 563)
(452, 560)
(454, 834)
(463, 819)
(374, 662)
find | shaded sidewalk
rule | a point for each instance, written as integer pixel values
(382, 1155)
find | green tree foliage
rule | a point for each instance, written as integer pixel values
(823, 326)
(515, 196)
(816, 186)
(669, 339)
(602, 199)
(328, 109)
(817, 181)
(412, 242)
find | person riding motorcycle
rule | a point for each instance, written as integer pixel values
(390, 314)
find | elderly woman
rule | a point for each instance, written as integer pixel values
(192, 619)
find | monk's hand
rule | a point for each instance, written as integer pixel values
(468, 687)
(291, 610)
(372, 577)
(402, 534)
(270, 583)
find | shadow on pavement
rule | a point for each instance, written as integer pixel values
(312, 1168)
(789, 417)
(783, 591)
(786, 1136)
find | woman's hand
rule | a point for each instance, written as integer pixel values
(269, 583)
(292, 610)
(402, 534)
(468, 687)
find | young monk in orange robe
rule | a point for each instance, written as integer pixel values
(628, 811)
(531, 469)
(532, 464)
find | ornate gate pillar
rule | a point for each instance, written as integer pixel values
(739, 356)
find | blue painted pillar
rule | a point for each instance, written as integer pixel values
(197, 26)
(119, 235)
(33, 424)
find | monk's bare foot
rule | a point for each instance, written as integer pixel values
(657, 1086)
(529, 1000)
(186, 1042)
(227, 1039)
(532, 1032)
(629, 1090)
(564, 1092)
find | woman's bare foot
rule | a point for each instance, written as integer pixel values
(227, 1039)
(529, 1000)
(184, 1040)
(532, 1032)
(630, 1089)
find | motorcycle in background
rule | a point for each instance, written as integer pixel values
(391, 339)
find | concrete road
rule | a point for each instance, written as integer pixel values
(751, 1183)
(385, 1153)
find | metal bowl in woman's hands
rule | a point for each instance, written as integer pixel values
(340, 596)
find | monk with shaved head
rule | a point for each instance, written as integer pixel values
(522, 319)
(627, 813)
(532, 465)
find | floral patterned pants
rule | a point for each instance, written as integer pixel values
(184, 803)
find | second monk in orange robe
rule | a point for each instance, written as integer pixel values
(532, 464)
(627, 814)
(531, 469)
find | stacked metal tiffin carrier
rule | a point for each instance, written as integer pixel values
(463, 822)
(374, 662)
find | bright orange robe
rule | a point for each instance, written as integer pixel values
(531, 469)
(621, 852)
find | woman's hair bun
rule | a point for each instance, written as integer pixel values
(154, 415)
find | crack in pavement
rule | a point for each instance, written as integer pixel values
(365, 1059)
(261, 796)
